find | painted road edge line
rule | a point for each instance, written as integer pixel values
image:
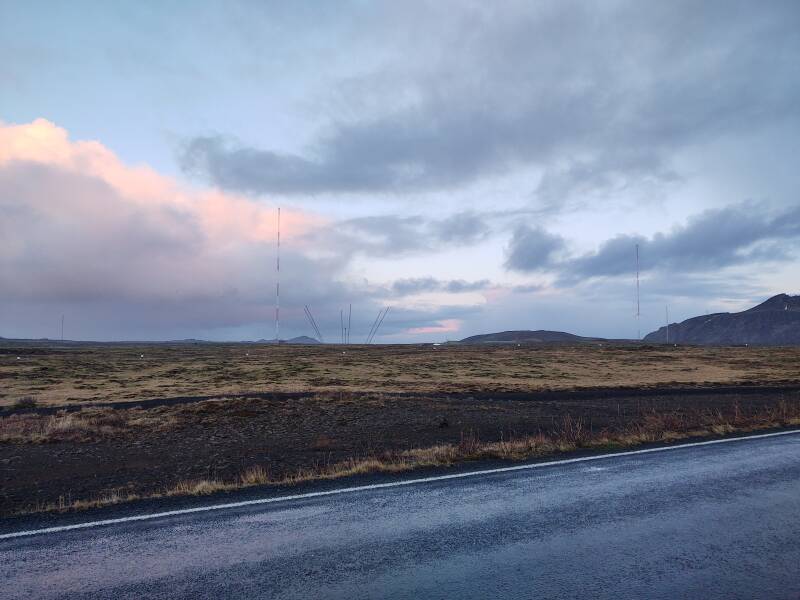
(377, 486)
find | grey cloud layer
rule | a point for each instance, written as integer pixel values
(533, 249)
(395, 235)
(735, 235)
(416, 285)
(597, 96)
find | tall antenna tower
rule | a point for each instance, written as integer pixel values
(666, 310)
(313, 322)
(62, 328)
(376, 325)
(638, 311)
(371, 329)
(278, 284)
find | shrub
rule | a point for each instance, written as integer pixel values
(26, 402)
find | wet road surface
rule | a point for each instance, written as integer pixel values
(712, 521)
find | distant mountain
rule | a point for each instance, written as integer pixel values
(775, 322)
(540, 336)
(303, 339)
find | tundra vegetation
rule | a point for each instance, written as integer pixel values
(72, 435)
(52, 374)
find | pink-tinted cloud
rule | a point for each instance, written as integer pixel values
(444, 326)
(79, 223)
(127, 252)
(220, 215)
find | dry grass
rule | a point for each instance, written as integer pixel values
(81, 426)
(572, 435)
(57, 375)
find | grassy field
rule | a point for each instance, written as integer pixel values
(364, 409)
(53, 374)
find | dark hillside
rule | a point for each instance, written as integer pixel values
(775, 322)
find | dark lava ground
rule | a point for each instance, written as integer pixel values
(221, 438)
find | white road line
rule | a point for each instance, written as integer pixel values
(377, 486)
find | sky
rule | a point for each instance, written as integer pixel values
(474, 166)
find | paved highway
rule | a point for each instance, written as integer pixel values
(707, 521)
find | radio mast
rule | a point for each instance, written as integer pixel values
(638, 311)
(278, 284)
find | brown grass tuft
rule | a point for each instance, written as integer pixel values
(81, 426)
(255, 475)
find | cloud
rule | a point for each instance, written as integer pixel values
(407, 287)
(462, 228)
(603, 176)
(685, 261)
(714, 239)
(80, 229)
(395, 235)
(486, 94)
(129, 253)
(532, 249)
(443, 326)
(528, 288)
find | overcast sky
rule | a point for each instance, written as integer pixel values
(476, 166)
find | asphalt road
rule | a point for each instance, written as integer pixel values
(709, 521)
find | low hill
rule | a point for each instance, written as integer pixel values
(540, 336)
(775, 322)
(303, 339)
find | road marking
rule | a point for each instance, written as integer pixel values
(378, 486)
